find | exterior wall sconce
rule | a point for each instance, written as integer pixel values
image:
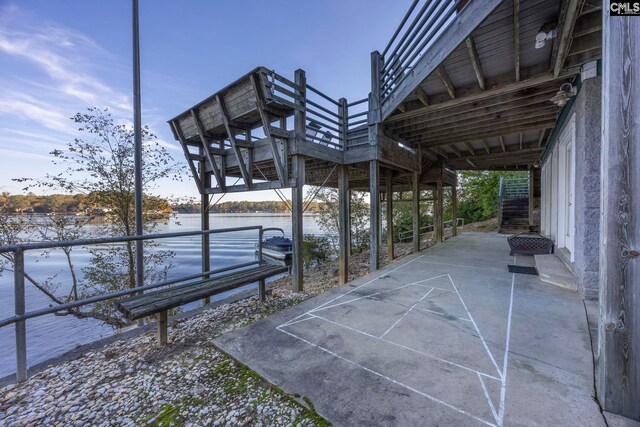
(567, 90)
(546, 32)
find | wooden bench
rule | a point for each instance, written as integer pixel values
(159, 302)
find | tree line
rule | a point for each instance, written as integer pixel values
(244, 207)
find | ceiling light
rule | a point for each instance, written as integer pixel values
(547, 32)
(566, 91)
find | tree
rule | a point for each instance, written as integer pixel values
(478, 193)
(100, 165)
(327, 219)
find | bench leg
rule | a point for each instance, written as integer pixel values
(162, 327)
(262, 291)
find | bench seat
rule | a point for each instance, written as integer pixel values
(158, 302)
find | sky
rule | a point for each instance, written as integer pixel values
(60, 57)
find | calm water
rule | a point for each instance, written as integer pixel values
(50, 336)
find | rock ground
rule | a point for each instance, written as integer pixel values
(188, 382)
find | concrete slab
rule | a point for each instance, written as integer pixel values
(444, 337)
(552, 270)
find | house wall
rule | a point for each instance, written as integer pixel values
(585, 257)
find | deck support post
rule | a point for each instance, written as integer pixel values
(454, 207)
(162, 327)
(531, 191)
(389, 216)
(204, 224)
(438, 212)
(415, 187)
(618, 358)
(262, 290)
(344, 220)
(374, 219)
(297, 199)
(298, 172)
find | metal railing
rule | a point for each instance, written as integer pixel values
(514, 188)
(420, 28)
(407, 236)
(21, 316)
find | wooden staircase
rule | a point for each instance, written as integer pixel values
(513, 205)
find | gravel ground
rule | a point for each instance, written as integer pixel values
(188, 382)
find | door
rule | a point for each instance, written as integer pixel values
(566, 184)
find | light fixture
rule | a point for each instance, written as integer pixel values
(566, 91)
(546, 32)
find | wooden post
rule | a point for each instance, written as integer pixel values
(438, 210)
(297, 200)
(162, 327)
(204, 224)
(344, 221)
(416, 211)
(262, 290)
(531, 196)
(374, 219)
(21, 325)
(389, 217)
(454, 207)
(618, 360)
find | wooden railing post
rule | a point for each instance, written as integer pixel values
(344, 220)
(343, 111)
(21, 331)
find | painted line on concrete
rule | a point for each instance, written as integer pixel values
(404, 347)
(320, 308)
(463, 266)
(363, 285)
(421, 393)
(486, 347)
(420, 308)
(486, 394)
(442, 314)
(503, 388)
(405, 314)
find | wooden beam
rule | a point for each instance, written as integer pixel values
(486, 145)
(439, 152)
(278, 161)
(496, 92)
(453, 148)
(446, 81)
(502, 143)
(454, 208)
(207, 150)
(402, 108)
(475, 61)
(178, 133)
(541, 137)
(344, 223)
(568, 16)
(516, 37)
(422, 96)
(246, 175)
(472, 164)
(618, 361)
(520, 136)
(467, 144)
(439, 212)
(467, 19)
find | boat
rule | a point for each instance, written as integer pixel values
(277, 247)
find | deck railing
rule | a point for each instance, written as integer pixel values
(21, 316)
(423, 24)
(407, 236)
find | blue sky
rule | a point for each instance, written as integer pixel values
(60, 57)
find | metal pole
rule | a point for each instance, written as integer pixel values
(137, 130)
(21, 331)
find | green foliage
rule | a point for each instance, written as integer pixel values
(327, 218)
(478, 193)
(100, 167)
(316, 250)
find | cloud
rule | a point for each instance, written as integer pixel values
(67, 58)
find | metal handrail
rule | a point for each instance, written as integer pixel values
(18, 250)
(459, 222)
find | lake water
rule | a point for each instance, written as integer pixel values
(49, 336)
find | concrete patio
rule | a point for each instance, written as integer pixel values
(444, 337)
